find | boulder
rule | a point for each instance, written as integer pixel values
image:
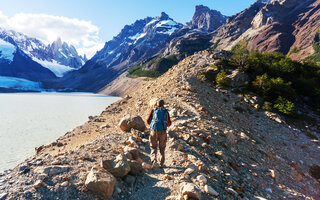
(135, 168)
(191, 190)
(237, 79)
(118, 167)
(128, 123)
(101, 182)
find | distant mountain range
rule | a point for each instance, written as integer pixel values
(140, 42)
(287, 26)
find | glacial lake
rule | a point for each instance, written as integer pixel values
(29, 120)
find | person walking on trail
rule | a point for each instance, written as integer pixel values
(158, 120)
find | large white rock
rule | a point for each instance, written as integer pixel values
(191, 190)
(101, 182)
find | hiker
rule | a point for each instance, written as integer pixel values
(158, 120)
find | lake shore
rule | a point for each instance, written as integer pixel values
(43, 117)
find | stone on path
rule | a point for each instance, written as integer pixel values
(191, 190)
(101, 182)
(38, 184)
(119, 167)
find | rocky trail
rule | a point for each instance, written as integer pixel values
(219, 147)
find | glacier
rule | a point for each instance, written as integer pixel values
(19, 83)
(58, 69)
(7, 50)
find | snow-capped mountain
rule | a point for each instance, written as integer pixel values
(15, 63)
(59, 57)
(138, 41)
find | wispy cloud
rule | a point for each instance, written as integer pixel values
(47, 28)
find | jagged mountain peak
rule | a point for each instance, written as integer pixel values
(163, 16)
(206, 19)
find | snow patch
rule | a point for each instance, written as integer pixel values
(151, 22)
(19, 83)
(7, 50)
(141, 36)
(58, 69)
(167, 23)
(134, 37)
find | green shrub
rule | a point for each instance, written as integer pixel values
(221, 78)
(137, 71)
(260, 81)
(275, 87)
(284, 106)
(267, 106)
(241, 47)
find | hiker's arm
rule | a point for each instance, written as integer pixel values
(168, 120)
(150, 117)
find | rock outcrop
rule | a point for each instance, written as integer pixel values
(101, 182)
(288, 26)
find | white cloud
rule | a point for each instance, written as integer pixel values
(47, 28)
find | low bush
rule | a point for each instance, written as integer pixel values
(221, 78)
(284, 106)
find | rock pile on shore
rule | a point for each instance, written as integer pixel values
(214, 150)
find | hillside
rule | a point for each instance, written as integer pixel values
(287, 26)
(240, 152)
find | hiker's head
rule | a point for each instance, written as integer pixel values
(160, 103)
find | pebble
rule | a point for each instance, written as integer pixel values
(209, 190)
(38, 184)
(64, 184)
(202, 179)
(232, 191)
(117, 190)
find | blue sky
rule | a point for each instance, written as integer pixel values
(98, 20)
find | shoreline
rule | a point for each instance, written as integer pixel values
(31, 152)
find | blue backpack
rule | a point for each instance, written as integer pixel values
(159, 120)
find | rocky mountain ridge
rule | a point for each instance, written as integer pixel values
(279, 25)
(214, 151)
(139, 43)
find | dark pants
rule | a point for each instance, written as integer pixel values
(158, 138)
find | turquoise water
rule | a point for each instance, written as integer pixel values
(29, 120)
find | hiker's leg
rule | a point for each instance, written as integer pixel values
(153, 145)
(162, 145)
